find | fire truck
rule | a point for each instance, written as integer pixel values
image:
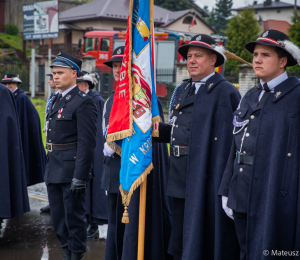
(100, 44)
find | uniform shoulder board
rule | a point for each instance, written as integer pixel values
(81, 94)
(254, 89)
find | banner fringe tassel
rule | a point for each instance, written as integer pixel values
(119, 135)
(115, 147)
(126, 195)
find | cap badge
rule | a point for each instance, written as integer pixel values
(5, 76)
(68, 97)
(265, 34)
(119, 51)
(281, 44)
(198, 38)
(278, 94)
(59, 54)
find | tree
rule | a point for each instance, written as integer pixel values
(294, 31)
(212, 18)
(242, 29)
(174, 5)
(220, 15)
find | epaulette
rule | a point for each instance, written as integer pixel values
(254, 89)
(81, 94)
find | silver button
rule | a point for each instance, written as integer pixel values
(247, 135)
(180, 113)
(216, 138)
(173, 139)
(176, 126)
(49, 141)
(289, 155)
(50, 118)
(49, 130)
(75, 157)
(252, 117)
(241, 169)
(240, 113)
(244, 152)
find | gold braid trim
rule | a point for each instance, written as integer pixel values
(119, 135)
(156, 119)
(126, 195)
(115, 147)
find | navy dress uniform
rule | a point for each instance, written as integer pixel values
(96, 200)
(71, 140)
(179, 134)
(111, 171)
(261, 179)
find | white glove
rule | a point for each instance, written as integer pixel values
(107, 150)
(227, 210)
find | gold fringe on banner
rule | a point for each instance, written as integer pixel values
(156, 119)
(119, 135)
(115, 147)
(126, 195)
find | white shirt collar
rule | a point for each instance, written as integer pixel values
(15, 90)
(87, 91)
(275, 82)
(55, 93)
(68, 90)
(198, 84)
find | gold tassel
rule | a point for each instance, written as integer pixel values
(155, 133)
(125, 218)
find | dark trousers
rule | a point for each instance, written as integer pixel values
(111, 240)
(177, 231)
(240, 223)
(68, 216)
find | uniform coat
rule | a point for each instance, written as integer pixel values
(158, 213)
(96, 200)
(72, 120)
(33, 148)
(13, 185)
(207, 232)
(273, 207)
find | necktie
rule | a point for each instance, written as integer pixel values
(57, 100)
(267, 92)
(192, 90)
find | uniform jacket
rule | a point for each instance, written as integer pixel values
(182, 110)
(273, 204)
(77, 123)
(96, 200)
(33, 147)
(13, 185)
(207, 232)
(112, 165)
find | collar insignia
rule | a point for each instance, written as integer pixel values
(68, 97)
(83, 94)
(177, 106)
(210, 85)
(278, 94)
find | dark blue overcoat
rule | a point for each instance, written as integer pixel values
(208, 233)
(96, 200)
(13, 186)
(33, 148)
(158, 213)
(274, 194)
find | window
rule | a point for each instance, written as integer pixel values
(104, 44)
(188, 20)
(88, 44)
(96, 45)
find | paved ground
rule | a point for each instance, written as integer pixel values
(32, 236)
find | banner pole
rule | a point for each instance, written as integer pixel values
(143, 186)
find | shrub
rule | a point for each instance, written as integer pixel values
(11, 29)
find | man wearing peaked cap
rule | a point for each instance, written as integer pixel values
(200, 140)
(71, 141)
(122, 239)
(96, 201)
(260, 186)
(30, 127)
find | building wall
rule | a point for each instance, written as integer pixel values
(200, 27)
(285, 14)
(14, 9)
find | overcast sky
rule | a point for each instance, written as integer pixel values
(238, 3)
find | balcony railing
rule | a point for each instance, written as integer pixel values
(55, 48)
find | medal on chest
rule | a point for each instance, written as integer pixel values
(59, 113)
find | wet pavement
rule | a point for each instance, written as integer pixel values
(32, 236)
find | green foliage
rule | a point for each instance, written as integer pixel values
(294, 31)
(11, 29)
(242, 29)
(174, 5)
(220, 14)
(11, 40)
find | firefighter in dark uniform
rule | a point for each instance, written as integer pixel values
(71, 140)
(112, 163)
(202, 59)
(264, 158)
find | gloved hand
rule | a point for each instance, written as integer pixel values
(78, 187)
(107, 150)
(227, 210)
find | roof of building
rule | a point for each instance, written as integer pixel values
(268, 4)
(106, 9)
(279, 25)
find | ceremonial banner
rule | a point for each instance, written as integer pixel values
(135, 109)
